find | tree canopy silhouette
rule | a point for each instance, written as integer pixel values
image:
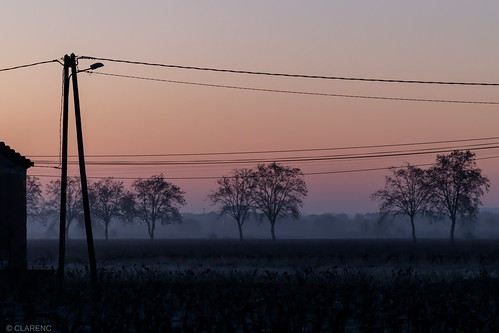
(74, 204)
(106, 200)
(157, 199)
(235, 196)
(34, 197)
(406, 193)
(279, 191)
(457, 186)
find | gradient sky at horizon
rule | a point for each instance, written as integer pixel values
(423, 40)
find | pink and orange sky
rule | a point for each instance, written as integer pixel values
(423, 40)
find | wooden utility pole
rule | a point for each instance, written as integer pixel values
(64, 171)
(71, 62)
(83, 173)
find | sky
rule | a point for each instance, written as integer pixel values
(423, 40)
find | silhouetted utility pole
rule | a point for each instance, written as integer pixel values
(71, 62)
(64, 171)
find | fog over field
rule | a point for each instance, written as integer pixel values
(324, 226)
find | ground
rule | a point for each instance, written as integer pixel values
(261, 286)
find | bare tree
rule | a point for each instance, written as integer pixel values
(106, 197)
(34, 197)
(156, 199)
(74, 205)
(128, 207)
(235, 196)
(37, 207)
(279, 191)
(457, 186)
(405, 193)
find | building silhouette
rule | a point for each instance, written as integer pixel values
(13, 167)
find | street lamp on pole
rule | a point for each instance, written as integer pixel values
(70, 62)
(91, 68)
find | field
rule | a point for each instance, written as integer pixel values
(260, 286)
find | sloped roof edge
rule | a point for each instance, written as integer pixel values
(15, 156)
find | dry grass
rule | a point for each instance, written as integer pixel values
(293, 286)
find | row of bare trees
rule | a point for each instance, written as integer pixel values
(453, 187)
(153, 200)
(271, 190)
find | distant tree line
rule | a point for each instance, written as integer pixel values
(453, 187)
(270, 191)
(152, 200)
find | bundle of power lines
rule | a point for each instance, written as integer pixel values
(220, 158)
(300, 156)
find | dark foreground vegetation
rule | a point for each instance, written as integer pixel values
(314, 253)
(290, 286)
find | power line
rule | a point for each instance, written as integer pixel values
(284, 150)
(309, 93)
(305, 173)
(381, 168)
(287, 74)
(299, 158)
(284, 159)
(28, 65)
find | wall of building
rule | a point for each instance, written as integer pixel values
(12, 214)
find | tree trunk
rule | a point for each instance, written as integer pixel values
(107, 234)
(413, 229)
(151, 230)
(68, 223)
(240, 231)
(452, 227)
(272, 230)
